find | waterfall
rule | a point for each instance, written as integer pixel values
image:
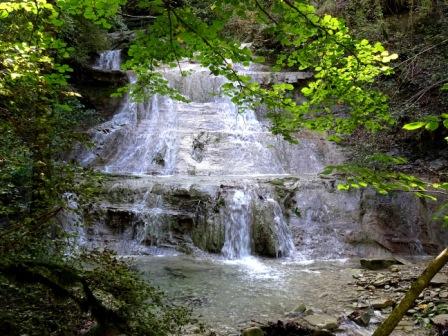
(222, 181)
(208, 136)
(285, 246)
(148, 221)
(109, 60)
(238, 226)
(71, 220)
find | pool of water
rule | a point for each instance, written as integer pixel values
(227, 295)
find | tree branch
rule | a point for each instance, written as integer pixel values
(138, 16)
(171, 41)
(265, 12)
(417, 287)
(208, 44)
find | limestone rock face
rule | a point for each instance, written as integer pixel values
(401, 224)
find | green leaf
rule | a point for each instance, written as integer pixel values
(432, 126)
(414, 125)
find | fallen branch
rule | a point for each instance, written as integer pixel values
(412, 294)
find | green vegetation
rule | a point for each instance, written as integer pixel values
(51, 288)
(47, 286)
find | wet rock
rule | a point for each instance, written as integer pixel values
(199, 146)
(263, 231)
(252, 331)
(322, 321)
(381, 281)
(301, 308)
(382, 303)
(281, 328)
(443, 295)
(439, 280)
(440, 320)
(377, 264)
(361, 316)
(394, 269)
(121, 39)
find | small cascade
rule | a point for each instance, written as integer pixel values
(139, 138)
(148, 145)
(109, 60)
(237, 221)
(285, 246)
(148, 221)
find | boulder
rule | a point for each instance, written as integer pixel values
(382, 303)
(252, 331)
(440, 320)
(361, 316)
(322, 321)
(378, 263)
(439, 280)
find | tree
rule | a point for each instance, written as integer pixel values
(47, 287)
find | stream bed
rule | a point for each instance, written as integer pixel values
(228, 295)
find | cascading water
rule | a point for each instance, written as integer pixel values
(238, 226)
(109, 60)
(199, 146)
(285, 243)
(138, 139)
(206, 137)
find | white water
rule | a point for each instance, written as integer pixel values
(109, 60)
(237, 226)
(286, 245)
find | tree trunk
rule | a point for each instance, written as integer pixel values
(412, 294)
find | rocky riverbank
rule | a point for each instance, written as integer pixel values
(373, 294)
